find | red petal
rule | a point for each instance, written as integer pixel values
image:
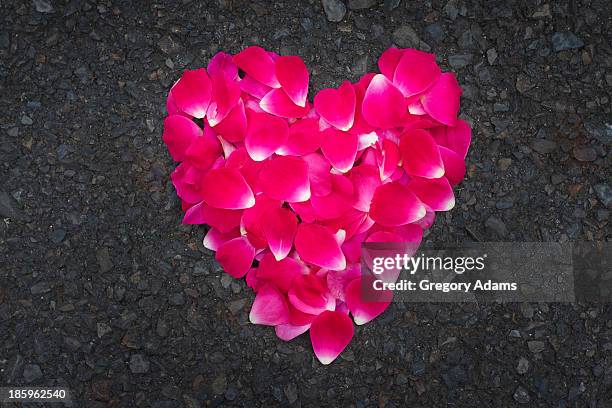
(457, 138)
(330, 333)
(340, 148)
(186, 182)
(276, 102)
(308, 294)
(171, 106)
(365, 179)
(256, 62)
(223, 220)
(317, 245)
(415, 72)
(318, 174)
(223, 63)
(454, 165)
(304, 210)
(304, 138)
(420, 154)
(236, 256)
(233, 126)
(338, 280)
(214, 238)
(280, 273)
(384, 105)
(253, 219)
(389, 158)
(436, 193)
(192, 93)
(388, 61)
(279, 228)
(269, 308)
(225, 95)
(253, 87)
(226, 188)
(337, 106)
(285, 178)
(265, 134)
(179, 133)
(338, 201)
(394, 204)
(289, 332)
(293, 76)
(441, 101)
(204, 150)
(366, 308)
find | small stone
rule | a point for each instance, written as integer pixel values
(103, 329)
(460, 60)
(585, 154)
(406, 37)
(236, 306)
(139, 364)
(14, 368)
(543, 146)
(13, 132)
(451, 9)
(334, 10)
(496, 225)
(504, 163)
(603, 215)
(219, 385)
(600, 131)
(521, 395)
(57, 236)
(491, 55)
(8, 206)
(542, 12)
(231, 394)
(43, 6)
(104, 260)
(168, 45)
(604, 192)
(523, 84)
(522, 366)
(31, 373)
(536, 346)
(391, 5)
(566, 41)
(435, 32)
(291, 392)
(361, 4)
(515, 333)
(40, 288)
(26, 120)
(176, 299)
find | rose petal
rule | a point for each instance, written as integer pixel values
(265, 134)
(226, 188)
(304, 210)
(225, 95)
(388, 61)
(330, 333)
(308, 294)
(204, 150)
(389, 158)
(192, 93)
(436, 193)
(441, 101)
(420, 154)
(276, 102)
(253, 219)
(223, 220)
(304, 138)
(338, 280)
(179, 133)
(337, 106)
(416, 72)
(279, 228)
(384, 105)
(253, 87)
(280, 273)
(340, 148)
(270, 307)
(394, 204)
(457, 138)
(186, 182)
(340, 199)
(223, 63)
(233, 126)
(293, 77)
(318, 174)
(236, 256)
(214, 238)
(289, 332)
(366, 308)
(285, 178)
(317, 245)
(256, 62)
(454, 165)
(365, 179)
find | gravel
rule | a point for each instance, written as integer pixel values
(128, 308)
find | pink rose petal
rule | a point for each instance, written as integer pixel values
(226, 188)
(337, 106)
(233, 126)
(223, 220)
(365, 179)
(437, 194)
(441, 101)
(317, 245)
(270, 307)
(308, 294)
(280, 273)
(330, 333)
(394, 204)
(457, 138)
(192, 93)
(257, 63)
(388, 61)
(318, 174)
(236, 256)
(339, 200)
(253, 87)
(366, 308)
(416, 72)
(279, 228)
(253, 219)
(223, 63)
(214, 238)
(285, 178)
(454, 165)
(293, 77)
(225, 95)
(304, 138)
(384, 105)
(179, 133)
(420, 154)
(276, 102)
(340, 148)
(265, 134)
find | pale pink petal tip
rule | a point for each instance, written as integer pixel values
(384, 105)
(415, 72)
(420, 154)
(285, 178)
(227, 188)
(317, 245)
(192, 93)
(257, 63)
(330, 333)
(441, 101)
(362, 307)
(270, 307)
(293, 77)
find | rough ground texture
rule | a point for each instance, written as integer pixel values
(102, 289)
